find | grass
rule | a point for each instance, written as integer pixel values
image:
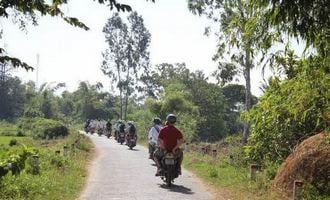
(61, 177)
(7, 129)
(229, 180)
(6, 139)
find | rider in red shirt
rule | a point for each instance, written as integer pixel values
(170, 138)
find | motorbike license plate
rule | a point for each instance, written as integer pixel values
(132, 140)
(169, 161)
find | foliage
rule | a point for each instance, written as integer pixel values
(41, 128)
(127, 56)
(24, 12)
(90, 103)
(142, 118)
(289, 112)
(241, 32)
(7, 128)
(66, 178)
(12, 98)
(307, 19)
(228, 174)
(12, 142)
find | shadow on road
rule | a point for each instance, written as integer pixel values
(177, 188)
(134, 149)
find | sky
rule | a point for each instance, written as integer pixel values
(69, 54)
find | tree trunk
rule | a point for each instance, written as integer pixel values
(120, 92)
(127, 92)
(247, 70)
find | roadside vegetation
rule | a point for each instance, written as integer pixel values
(33, 168)
(223, 116)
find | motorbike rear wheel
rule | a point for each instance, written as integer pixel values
(169, 175)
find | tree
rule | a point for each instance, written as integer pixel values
(116, 36)
(308, 19)
(12, 98)
(27, 11)
(238, 37)
(127, 54)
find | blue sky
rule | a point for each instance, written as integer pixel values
(69, 54)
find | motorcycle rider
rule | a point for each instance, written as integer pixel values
(108, 128)
(87, 125)
(153, 136)
(170, 138)
(131, 131)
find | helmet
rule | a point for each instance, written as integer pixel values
(171, 118)
(157, 120)
(130, 123)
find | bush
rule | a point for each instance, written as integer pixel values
(12, 142)
(289, 112)
(20, 133)
(43, 128)
(7, 129)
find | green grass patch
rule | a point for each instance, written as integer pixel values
(6, 139)
(7, 129)
(60, 177)
(228, 178)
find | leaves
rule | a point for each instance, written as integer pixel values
(15, 62)
(289, 112)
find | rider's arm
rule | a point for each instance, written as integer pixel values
(150, 134)
(178, 144)
(161, 143)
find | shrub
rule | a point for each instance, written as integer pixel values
(7, 129)
(12, 142)
(289, 112)
(41, 128)
(20, 133)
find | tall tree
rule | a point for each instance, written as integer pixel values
(127, 56)
(116, 35)
(239, 34)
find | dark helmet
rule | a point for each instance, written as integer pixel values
(171, 118)
(157, 120)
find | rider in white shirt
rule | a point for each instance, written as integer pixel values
(153, 136)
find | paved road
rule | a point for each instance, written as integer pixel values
(119, 173)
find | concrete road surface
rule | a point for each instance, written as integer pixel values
(119, 173)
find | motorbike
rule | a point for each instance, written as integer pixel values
(121, 137)
(131, 141)
(87, 130)
(170, 168)
(152, 148)
(99, 131)
(108, 133)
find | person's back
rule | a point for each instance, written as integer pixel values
(122, 128)
(153, 136)
(170, 135)
(109, 126)
(170, 139)
(132, 129)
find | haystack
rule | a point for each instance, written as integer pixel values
(309, 162)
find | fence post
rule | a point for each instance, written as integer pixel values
(73, 149)
(186, 146)
(297, 189)
(253, 171)
(35, 165)
(65, 150)
(203, 150)
(214, 153)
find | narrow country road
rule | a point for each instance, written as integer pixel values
(119, 173)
